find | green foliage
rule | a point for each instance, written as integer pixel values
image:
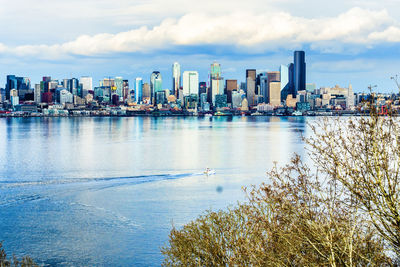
(14, 262)
(294, 220)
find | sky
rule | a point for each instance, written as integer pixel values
(346, 41)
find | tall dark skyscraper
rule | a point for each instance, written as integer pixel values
(291, 87)
(299, 71)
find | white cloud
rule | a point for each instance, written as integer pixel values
(245, 30)
(391, 34)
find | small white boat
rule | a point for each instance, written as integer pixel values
(209, 172)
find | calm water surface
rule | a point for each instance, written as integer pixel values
(98, 191)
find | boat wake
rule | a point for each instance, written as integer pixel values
(8, 184)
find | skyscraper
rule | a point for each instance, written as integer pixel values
(230, 85)
(87, 85)
(138, 90)
(202, 88)
(125, 89)
(190, 83)
(275, 93)
(37, 94)
(292, 89)
(272, 76)
(263, 86)
(17, 83)
(299, 71)
(155, 84)
(146, 92)
(176, 78)
(251, 86)
(284, 70)
(216, 82)
(119, 86)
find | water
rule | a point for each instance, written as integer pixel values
(106, 191)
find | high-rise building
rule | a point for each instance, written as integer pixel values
(190, 83)
(275, 93)
(63, 96)
(119, 86)
(230, 85)
(14, 98)
(284, 70)
(263, 86)
(299, 71)
(146, 93)
(155, 84)
(107, 82)
(251, 86)
(202, 88)
(37, 94)
(17, 83)
(125, 90)
(87, 85)
(236, 99)
(216, 82)
(138, 90)
(272, 76)
(292, 89)
(176, 78)
(217, 88)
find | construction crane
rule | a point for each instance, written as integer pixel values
(396, 80)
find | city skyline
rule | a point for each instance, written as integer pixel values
(349, 42)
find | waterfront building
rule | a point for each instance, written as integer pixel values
(251, 86)
(155, 84)
(138, 90)
(299, 71)
(190, 83)
(176, 78)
